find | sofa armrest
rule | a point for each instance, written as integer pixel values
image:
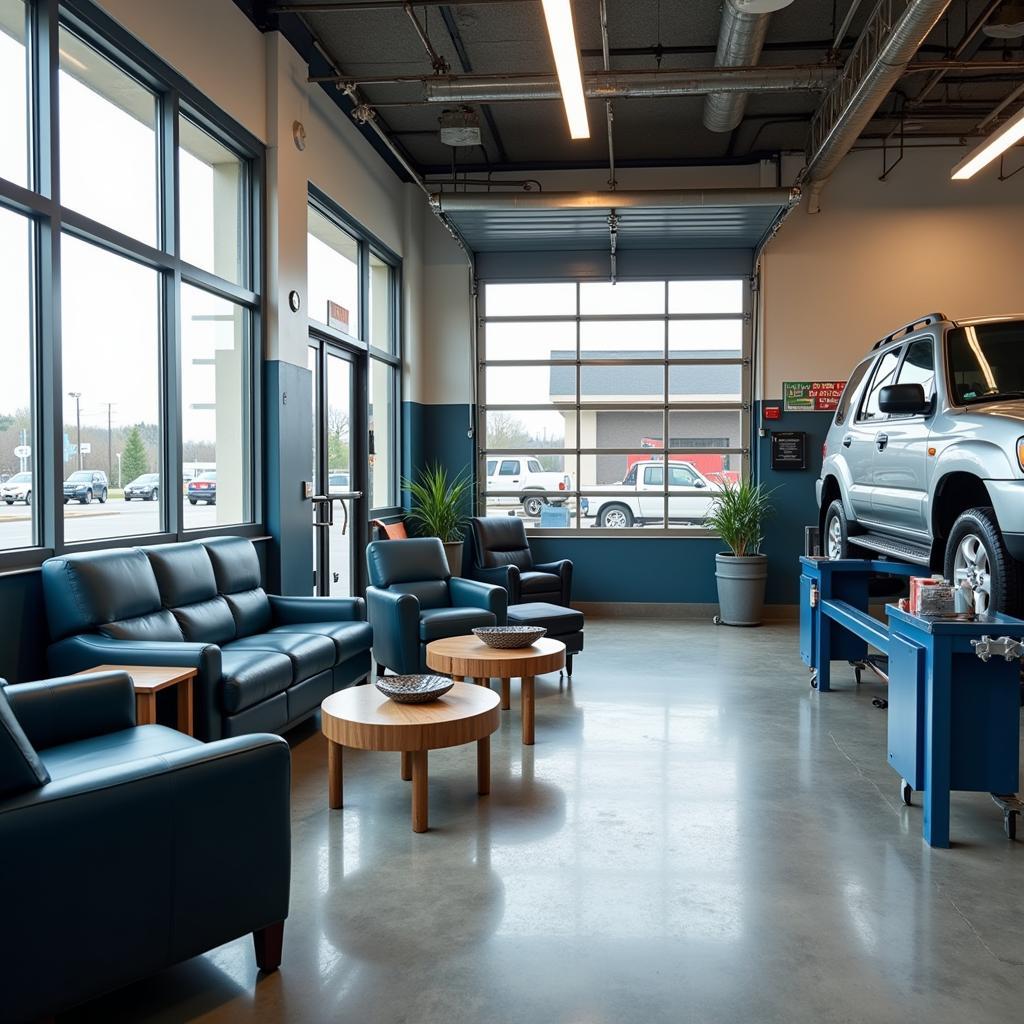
(77, 653)
(395, 619)
(55, 711)
(209, 821)
(291, 610)
(474, 594)
(562, 568)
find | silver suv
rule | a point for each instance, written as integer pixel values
(924, 461)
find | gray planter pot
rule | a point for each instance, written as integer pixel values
(453, 552)
(741, 583)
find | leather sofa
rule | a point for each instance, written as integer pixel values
(264, 662)
(129, 848)
(495, 550)
(413, 599)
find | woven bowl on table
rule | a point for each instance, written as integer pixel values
(414, 689)
(509, 638)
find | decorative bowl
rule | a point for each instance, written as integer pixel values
(509, 638)
(414, 689)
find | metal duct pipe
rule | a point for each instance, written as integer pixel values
(740, 39)
(861, 89)
(614, 84)
(456, 202)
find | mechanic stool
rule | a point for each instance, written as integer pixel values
(565, 624)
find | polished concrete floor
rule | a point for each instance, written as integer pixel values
(696, 836)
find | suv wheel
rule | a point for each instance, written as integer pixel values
(103, 496)
(835, 543)
(533, 506)
(975, 551)
(615, 517)
(87, 500)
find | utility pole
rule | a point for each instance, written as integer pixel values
(110, 457)
(77, 396)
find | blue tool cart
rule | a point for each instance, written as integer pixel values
(954, 686)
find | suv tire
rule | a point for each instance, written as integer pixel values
(615, 516)
(975, 546)
(533, 505)
(835, 540)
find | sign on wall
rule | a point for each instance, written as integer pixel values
(812, 395)
(788, 449)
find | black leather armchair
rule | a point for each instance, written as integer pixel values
(413, 599)
(129, 848)
(496, 551)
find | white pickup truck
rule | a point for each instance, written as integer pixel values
(640, 498)
(526, 476)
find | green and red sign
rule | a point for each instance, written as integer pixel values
(812, 395)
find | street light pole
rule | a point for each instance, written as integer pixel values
(77, 396)
(119, 470)
(110, 460)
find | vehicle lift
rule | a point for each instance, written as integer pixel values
(954, 687)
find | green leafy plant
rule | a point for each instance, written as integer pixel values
(737, 515)
(439, 503)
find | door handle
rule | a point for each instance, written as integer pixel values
(881, 440)
(847, 440)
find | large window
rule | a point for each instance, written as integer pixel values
(129, 298)
(353, 302)
(588, 389)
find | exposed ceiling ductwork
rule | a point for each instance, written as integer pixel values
(740, 40)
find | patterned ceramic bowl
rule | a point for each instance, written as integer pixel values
(507, 638)
(414, 689)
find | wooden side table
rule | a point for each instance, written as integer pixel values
(362, 717)
(465, 657)
(148, 681)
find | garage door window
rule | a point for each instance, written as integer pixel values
(588, 382)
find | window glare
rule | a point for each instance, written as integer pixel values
(705, 296)
(333, 275)
(115, 182)
(530, 299)
(13, 93)
(601, 298)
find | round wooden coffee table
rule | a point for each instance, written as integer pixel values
(362, 717)
(465, 657)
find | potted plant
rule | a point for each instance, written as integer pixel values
(737, 515)
(439, 509)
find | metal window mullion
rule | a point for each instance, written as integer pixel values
(170, 390)
(665, 417)
(746, 382)
(579, 396)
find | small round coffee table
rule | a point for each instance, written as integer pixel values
(362, 717)
(465, 657)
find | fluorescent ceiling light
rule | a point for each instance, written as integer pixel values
(558, 15)
(995, 145)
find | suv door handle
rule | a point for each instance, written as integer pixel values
(848, 440)
(881, 440)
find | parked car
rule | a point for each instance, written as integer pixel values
(924, 461)
(145, 488)
(203, 488)
(639, 499)
(338, 482)
(85, 484)
(17, 488)
(526, 475)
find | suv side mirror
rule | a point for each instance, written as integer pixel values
(699, 483)
(903, 399)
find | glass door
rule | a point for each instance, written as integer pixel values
(336, 441)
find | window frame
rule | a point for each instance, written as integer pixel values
(742, 407)
(40, 202)
(359, 343)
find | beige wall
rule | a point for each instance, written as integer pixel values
(880, 254)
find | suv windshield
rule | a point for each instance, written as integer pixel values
(986, 362)
(79, 476)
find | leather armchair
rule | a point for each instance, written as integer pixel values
(129, 848)
(495, 550)
(413, 599)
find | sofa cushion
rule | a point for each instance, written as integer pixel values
(114, 748)
(20, 766)
(554, 618)
(236, 565)
(206, 622)
(437, 623)
(308, 654)
(183, 573)
(539, 583)
(501, 540)
(159, 625)
(250, 676)
(251, 611)
(350, 638)
(429, 593)
(90, 588)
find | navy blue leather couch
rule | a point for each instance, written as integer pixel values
(126, 848)
(414, 599)
(264, 662)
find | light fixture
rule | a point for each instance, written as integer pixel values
(1007, 23)
(995, 145)
(558, 15)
